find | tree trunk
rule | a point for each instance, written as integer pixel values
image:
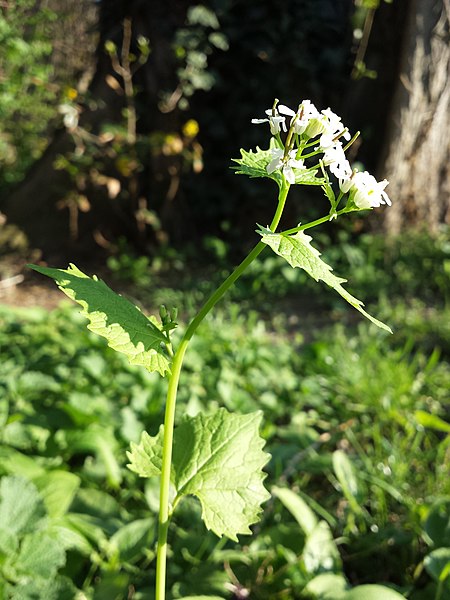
(417, 150)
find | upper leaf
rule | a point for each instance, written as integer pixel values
(254, 164)
(219, 459)
(297, 251)
(125, 327)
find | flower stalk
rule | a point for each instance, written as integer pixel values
(165, 509)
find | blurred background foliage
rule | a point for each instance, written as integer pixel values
(119, 120)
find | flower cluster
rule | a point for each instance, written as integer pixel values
(314, 132)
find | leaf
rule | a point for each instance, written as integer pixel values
(437, 525)
(21, 507)
(327, 586)
(96, 503)
(437, 564)
(132, 538)
(297, 251)
(100, 440)
(13, 461)
(125, 327)
(343, 469)
(146, 457)
(223, 469)
(40, 555)
(58, 588)
(57, 489)
(254, 164)
(89, 527)
(298, 509)
(217, 458)
(320, 554)
(372, 592)
(432, 421)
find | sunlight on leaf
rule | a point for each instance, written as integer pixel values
(254, 164)
(125, 327)
(298, 508)
(298, 252)
(146, 457)
(219, 459)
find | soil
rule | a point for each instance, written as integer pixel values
(21, 287)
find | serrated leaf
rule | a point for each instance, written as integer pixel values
(21, 507)
(125, 327)
(219, 459)
(146, 457)
(297, 251)
(57, 588)
(254, 164)
(40, 555)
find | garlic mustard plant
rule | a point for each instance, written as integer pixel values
(219, 458)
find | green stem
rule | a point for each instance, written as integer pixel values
(313, 223)
(165, 510)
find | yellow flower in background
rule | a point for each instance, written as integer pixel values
(70, 93)
(191, 128)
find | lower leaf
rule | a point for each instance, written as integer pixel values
(217, 458)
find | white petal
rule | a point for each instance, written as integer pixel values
(386, 198)
(345, 185)
(274, 165)
(289, 174)
(277, 152)
(285, 110)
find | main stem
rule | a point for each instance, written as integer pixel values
(165, 510)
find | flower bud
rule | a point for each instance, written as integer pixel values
(163, 313)
(314, 128)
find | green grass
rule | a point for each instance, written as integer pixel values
(355, 421)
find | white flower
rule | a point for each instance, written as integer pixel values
(275, 120)
(286, 164)
(332, 128)
(365, 190)
(70, 115)
(345, 183)
(333, 122)
(300, 119)
(334, 158)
